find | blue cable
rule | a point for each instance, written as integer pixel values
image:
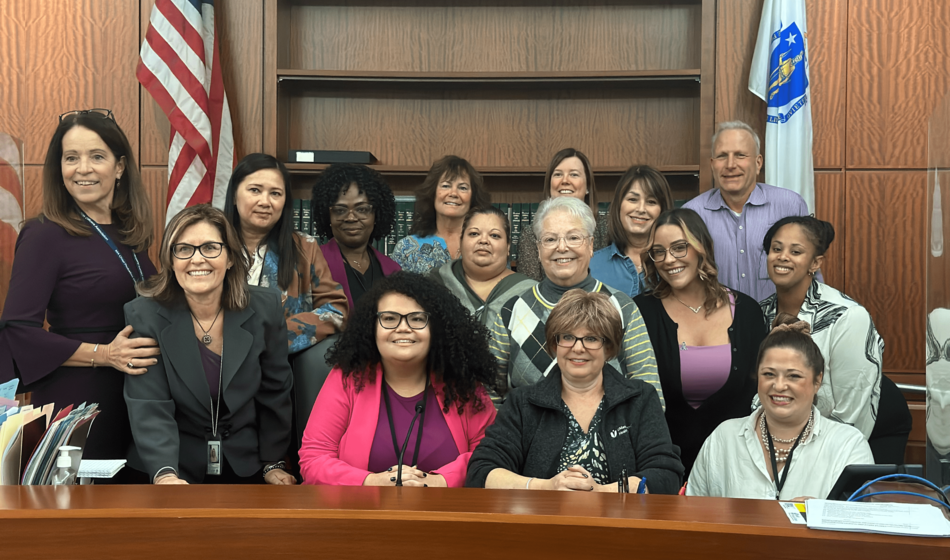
(905, 477)
(935, 500)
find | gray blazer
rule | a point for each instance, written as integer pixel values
(170, 405)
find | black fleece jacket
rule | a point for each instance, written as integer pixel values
(530, 430)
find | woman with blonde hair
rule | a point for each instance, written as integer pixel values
(703, 333)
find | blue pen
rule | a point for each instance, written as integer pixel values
(641, 488)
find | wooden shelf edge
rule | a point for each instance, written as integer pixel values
(309, 168)
(687, 75)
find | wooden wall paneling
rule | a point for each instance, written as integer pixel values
(884, 260)
(737, 25)
(241, 29)
(828, 57)
(898, 71)
(830, 206)
(707, 94)
(276, 17)
(417, 124)
(60, 55)
(528, 36)
(155, 180)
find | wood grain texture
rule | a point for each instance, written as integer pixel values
(707, 93)
(830, 206)
(898, 71)
(498, 127)
(938, 267)
(828, 57)
(478, 36)
(737, 25)
(884, 264)
(60, 55)
(357, 522)
(155, 180)
(241, 29)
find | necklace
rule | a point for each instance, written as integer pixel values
(690, 307)
(358, 263)
(781, 455)
(206, 339)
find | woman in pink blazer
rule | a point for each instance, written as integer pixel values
(410, 382)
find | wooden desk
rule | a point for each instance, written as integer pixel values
(223, 522)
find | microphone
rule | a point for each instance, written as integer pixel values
(420, 408)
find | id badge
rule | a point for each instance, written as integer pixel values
(214, 457)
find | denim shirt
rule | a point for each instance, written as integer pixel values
(615, 269)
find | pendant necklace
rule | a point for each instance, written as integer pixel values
(206, 339)
(690, 307)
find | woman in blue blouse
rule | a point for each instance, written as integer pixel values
(642, 194)
(451, 188)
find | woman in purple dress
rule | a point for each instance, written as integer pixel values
(76, 265)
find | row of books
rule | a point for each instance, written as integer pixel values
(520, 216)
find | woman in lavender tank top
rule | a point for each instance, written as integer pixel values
(406, 402)
(705, 335)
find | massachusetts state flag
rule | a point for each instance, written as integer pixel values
(180, 67)
(779, 77)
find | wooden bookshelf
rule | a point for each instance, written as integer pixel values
(502, 85)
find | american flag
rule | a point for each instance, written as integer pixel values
(180, 67)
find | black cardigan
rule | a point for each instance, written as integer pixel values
(690, 427)
(529, 433)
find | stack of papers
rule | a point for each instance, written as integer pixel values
(100, 468)
(919, 520)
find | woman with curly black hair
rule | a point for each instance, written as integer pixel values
(450, 190)
(402, 361)
(353, 206)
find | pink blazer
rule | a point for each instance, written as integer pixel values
(339, 434)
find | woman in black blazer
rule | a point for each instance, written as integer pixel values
(216, 407)
(705, 336)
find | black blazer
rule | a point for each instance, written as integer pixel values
(689, 427)
(170, 405)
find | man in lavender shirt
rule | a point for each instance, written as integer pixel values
(739, 211)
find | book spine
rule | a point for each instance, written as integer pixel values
(306, 224)
(515, 230)
(297, 208)
(603, 208)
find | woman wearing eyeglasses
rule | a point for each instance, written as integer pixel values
(564, 228)
(405, 380)
(353, 206)
(584, 427)
(449, 191)
(259, 205)
(216, 407)
(76, 265)
(705, 335)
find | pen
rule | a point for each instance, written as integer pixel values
(682, 491)
(643, 486)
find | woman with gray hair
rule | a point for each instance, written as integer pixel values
(564, 228)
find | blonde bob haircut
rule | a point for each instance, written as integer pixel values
(164, 286)
(580, 309)
(700, 241)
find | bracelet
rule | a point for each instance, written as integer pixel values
(93, 359)
(274, 466)
(527, 485)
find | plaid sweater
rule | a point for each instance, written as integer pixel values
(518, 336)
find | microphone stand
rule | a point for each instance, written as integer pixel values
(420, 407)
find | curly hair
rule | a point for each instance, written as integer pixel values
(448, 168)
(699, 239)
(458, 347)
(335, 180)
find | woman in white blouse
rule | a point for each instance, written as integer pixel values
(855, 391)
(785, 450)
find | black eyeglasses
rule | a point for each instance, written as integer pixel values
(361, 211)
(211, 250)
(588, 342)
(417, 320)
(101, 113)
(678, 250)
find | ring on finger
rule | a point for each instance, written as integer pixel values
(129, 365)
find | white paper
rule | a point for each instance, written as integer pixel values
(792, 512)
(100, 468)
(878, 517)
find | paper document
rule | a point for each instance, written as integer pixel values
(891, 518)
(795, 512)
(100, 468)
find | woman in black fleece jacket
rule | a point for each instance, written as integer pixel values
(584, 424)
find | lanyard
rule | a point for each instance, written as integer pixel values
(780, 480)
(111, 243)
(392, 426)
